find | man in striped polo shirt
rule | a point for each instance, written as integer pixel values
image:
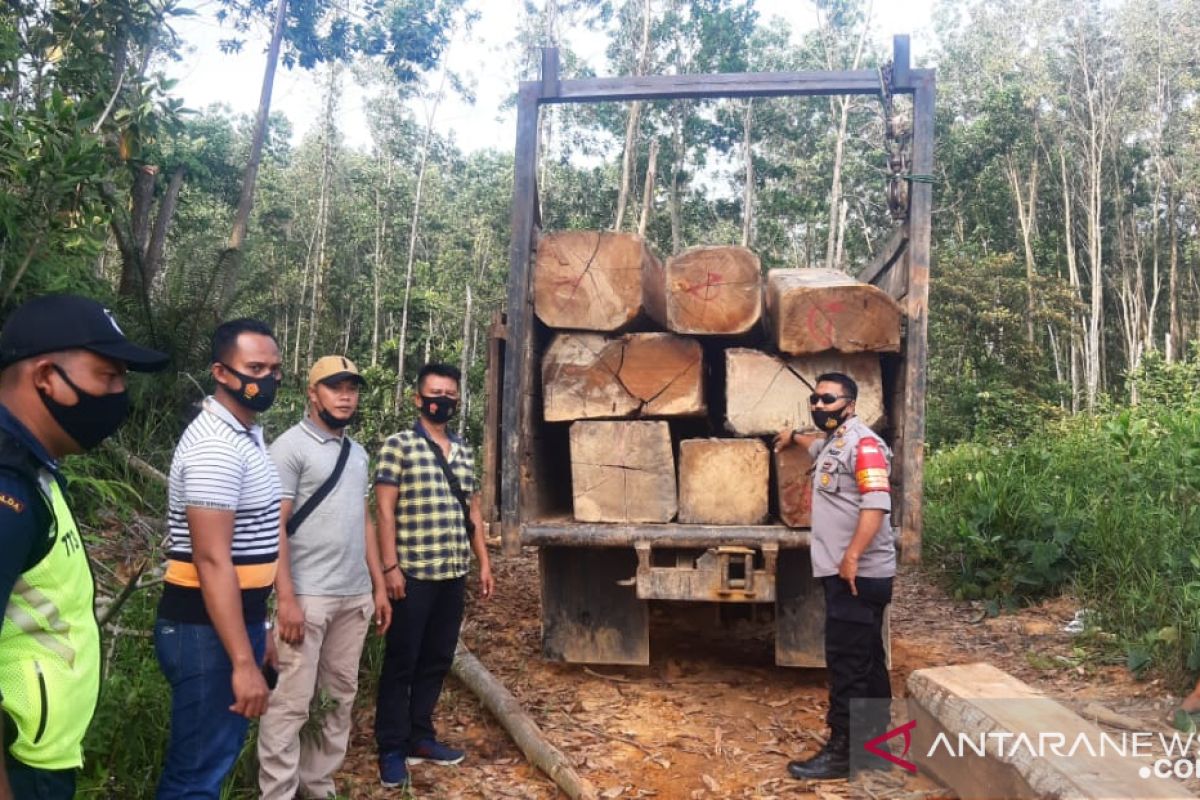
(223, 517)
(425, 545)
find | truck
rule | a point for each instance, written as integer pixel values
(599, 580)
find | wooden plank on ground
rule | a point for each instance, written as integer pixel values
(723, 481)
(1008, 721)
(590, 376)
(814, 310)
(622, 472)
(763, 394)
(706, 291)
(589, 280)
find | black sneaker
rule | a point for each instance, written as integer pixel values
(434, 752)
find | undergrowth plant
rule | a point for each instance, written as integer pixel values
(1102, 506)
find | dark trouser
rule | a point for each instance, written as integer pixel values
(420, 649)
(31, 783)
(854, 651)
(206, 737)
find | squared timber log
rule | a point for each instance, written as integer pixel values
(793, 483)
(706, 291)
(723, 481)
(814, 310)
(589, 280)
(590, 376)
(1007, 719)
(622, 472)
(764, 396)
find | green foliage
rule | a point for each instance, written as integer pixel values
(1104, 506)
(988, 382)
(407, 35)
(1157, 381)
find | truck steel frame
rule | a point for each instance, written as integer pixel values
(901, 268)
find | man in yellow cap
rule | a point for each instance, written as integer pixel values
(329, 586)
(63, 362)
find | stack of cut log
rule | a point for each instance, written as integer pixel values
(695, 361)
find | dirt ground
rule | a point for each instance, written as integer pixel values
(712, 716)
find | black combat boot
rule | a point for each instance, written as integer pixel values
(832, 762)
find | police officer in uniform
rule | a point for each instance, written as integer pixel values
(63, 361)
(854, 556)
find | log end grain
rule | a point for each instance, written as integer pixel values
(723, 481)
(793, 481)
(713, 291)
(622, 472)
(589, 280)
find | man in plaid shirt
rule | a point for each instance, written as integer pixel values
(423, 535)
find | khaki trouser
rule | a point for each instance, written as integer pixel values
(327, 659)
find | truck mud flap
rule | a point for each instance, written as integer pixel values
(800, 614)
(590, 611)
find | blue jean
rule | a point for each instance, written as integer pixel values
(31, 783)
(206, 737)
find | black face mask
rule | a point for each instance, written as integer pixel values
(93, 418)
(256, 394)
(336, 423)
(438, 409)
(830, 420)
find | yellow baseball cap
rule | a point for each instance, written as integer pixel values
(330, 369)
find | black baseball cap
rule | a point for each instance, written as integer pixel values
(56, 322)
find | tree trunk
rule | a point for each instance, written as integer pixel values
(748, 191)
(635, 111)
(414, 226)
(1174, 334)
(1026, 218)
(162, 227)
(1072, 279)
(674, 201)
(648, 189)
(133, 245)
(627, 162)
(230, 262)
(835, 187)
(383, 212)
(524, 731)
(323, 205)
(465, 364)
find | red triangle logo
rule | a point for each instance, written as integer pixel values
(905, 730)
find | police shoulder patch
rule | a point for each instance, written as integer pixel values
(11, 503)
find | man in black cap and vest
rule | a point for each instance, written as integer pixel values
(63, 361)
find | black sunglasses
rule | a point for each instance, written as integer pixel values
(827, 399)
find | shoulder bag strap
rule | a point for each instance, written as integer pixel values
(452, 479)
(310, 505)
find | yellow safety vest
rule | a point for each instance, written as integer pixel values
(50, 648)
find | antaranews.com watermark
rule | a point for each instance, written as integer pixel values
(1035, 741)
